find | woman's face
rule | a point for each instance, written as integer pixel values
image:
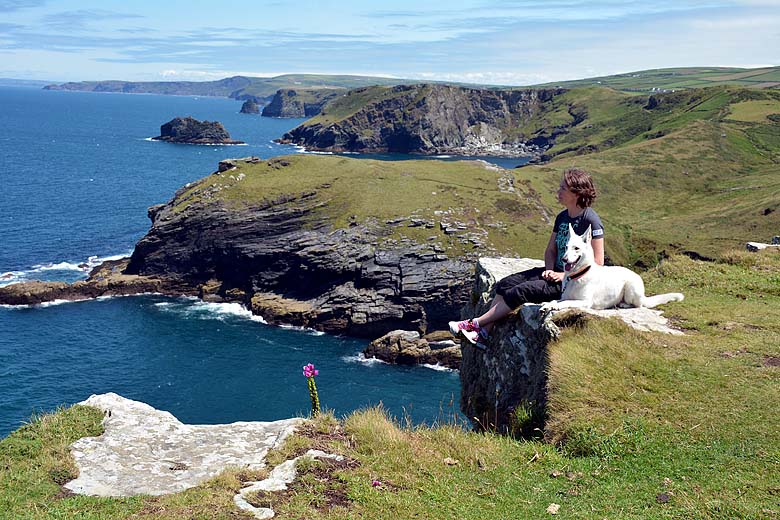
(565, 196)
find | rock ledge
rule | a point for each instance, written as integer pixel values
(145, 451)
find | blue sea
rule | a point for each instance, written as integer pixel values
(77, 174)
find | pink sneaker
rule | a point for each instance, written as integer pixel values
(466, 325)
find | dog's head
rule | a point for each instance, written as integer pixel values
(579, 252)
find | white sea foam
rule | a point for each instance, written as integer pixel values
(443, 156)
(193, 307)
(11, 277)
(361, 358)
(55, 302)
(439, 368)
(307, 330)
(152, 139)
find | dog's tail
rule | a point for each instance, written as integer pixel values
(660, 299)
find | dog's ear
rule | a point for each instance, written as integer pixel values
(587, 235)
(571, 231)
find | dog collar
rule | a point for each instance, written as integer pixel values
(579, 274)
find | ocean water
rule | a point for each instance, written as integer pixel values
(77, 174)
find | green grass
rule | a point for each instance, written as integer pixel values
(343, 190)
(640, 425)
(645, 81)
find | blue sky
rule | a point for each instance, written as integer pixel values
(512, 42)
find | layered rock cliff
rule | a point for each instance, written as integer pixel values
(285, 257)
(431, 119)
(300, 102)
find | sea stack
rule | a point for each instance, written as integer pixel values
(250, 106)
(191, 131)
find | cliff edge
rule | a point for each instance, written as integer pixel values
(508, 380)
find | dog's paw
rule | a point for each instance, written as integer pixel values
(548, 307)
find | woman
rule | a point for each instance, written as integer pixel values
(543, 284)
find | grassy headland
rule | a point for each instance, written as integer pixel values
(644, 426)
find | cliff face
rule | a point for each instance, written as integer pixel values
(299, 102)
(430, 119)
(292, 266)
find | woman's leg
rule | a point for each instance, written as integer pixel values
(498, 309)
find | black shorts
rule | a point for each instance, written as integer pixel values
(527, 287)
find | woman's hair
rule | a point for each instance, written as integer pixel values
(580, 183)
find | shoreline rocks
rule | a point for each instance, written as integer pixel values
(186, 130)
(404, 347)
(107, 279)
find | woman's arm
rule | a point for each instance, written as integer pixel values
(598, 250)
(551, 254)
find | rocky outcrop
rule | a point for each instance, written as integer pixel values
(512, 371)
(108, 279)
(758, 246)
(144, 451)
(300, 102)
(187, 130)
(250, 106)
(404, 347)
(433, 119)
(286, 260)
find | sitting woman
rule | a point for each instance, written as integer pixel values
(543, 284)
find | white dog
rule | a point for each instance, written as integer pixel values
(589, 285)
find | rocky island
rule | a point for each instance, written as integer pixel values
(250, 106)
(186, 130)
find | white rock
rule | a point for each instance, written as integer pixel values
(148, 451)
(281, 475)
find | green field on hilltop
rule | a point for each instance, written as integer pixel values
(645, 81)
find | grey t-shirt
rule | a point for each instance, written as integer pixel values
(580, 225)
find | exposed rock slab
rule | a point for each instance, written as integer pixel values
(512, 370)
(280, 476)
(148, 451)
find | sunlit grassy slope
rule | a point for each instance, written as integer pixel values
(640, 426)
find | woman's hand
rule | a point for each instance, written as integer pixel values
(552, 276)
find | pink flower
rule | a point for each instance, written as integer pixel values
(376, 483)
(310, 371)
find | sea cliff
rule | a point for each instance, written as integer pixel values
(430, 119)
